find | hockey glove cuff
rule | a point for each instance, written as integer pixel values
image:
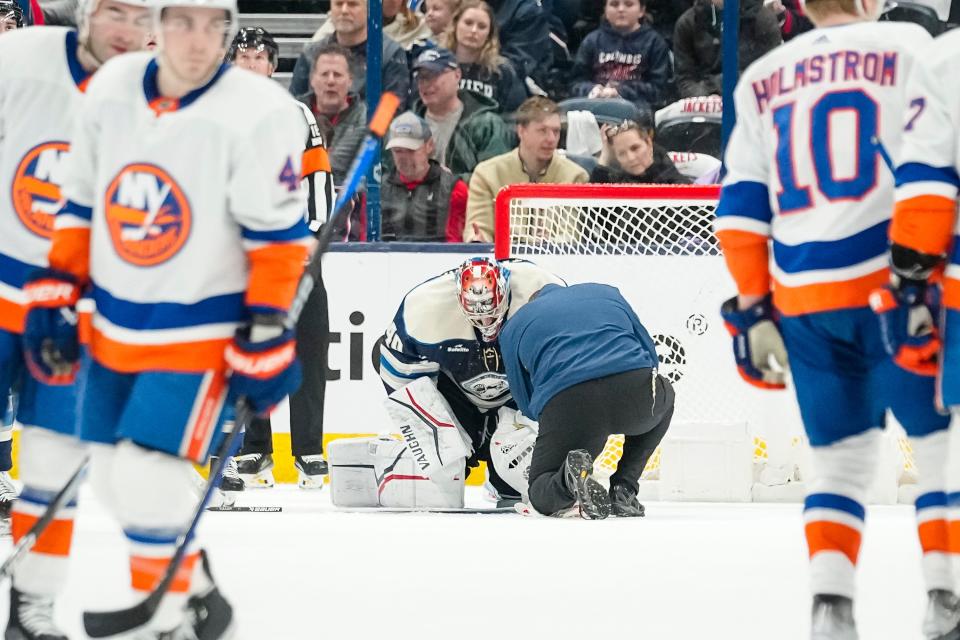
(756, 340)
(263, 362)
(906, 313)
(51, 343)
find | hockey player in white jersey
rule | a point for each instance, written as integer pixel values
(924, 249)
(818, 120)
(447, 329)
(43, 75)
(184, 220)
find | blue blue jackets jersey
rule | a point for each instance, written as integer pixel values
(430, 336)
(568, 335)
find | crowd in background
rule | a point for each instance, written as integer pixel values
(498, 92)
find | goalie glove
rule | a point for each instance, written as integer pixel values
(906, 310)
(756, 339)
(263, 363)
(50, 337)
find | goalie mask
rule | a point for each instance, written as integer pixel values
(484, 294)
(11, 16)
(255, 39)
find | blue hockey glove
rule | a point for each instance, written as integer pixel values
(50, 340)
(906, 312)
(263, 363)
(756, 339)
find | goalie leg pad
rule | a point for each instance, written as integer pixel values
(511, 448)
(426, 423)
(47, 462)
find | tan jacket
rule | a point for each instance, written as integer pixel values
(497, 172)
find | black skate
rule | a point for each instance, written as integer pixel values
(310, 471)
(208, 616)
(832, 618)
(31, 618)
(942, 620)
(8, 495)
(256, 470)
(231, 480)
(592, 498)
(624, 503)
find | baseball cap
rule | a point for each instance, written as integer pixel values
(435, 60)
(408, 131)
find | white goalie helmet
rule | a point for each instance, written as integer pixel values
(230, 6)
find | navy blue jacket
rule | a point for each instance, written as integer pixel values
(568, 335)
(637, 64)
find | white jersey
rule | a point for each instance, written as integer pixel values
(194, 209)
(819, 120)
(41, 89)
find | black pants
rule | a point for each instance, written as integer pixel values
(306, 404)
(582, 417)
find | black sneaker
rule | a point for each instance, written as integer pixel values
(256, 469)
(311, 471)
(624, 503)
(592, 498)
(31, 618)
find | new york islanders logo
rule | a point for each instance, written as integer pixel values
(147, 214)
(36, 187)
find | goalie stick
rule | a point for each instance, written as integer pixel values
(101, 624)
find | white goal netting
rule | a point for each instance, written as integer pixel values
(655, 243)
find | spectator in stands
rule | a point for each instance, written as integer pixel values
(420, 201)
(348, 20)
(403, 24)
(331, 97)
(624, 58)
(524, 36)
(793, 21)
(466, 128)
(630, 156)
(534, 160)
(439, 17)
(697, 49)
(11, 16)
(473, 39)
(665, 14)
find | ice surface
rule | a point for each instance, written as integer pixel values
(685, 571)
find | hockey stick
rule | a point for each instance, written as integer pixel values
(101, 624)
(63, 497)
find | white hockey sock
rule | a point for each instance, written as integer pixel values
(930, 454)
(834, 511)
(47, 461)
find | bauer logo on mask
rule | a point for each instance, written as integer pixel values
(147, 214)
(36, 187)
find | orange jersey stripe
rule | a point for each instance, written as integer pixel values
(924, 223)
(85, 327)
(145, 573)
(55, 539)
(315, 160)
(12, 316)
(190, 357)
(934, 536)
(748, 259)
(70, 252)
(953, 530)
(274, 274)
(827, 296)
(951, 293)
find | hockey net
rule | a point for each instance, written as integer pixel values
(656, 244)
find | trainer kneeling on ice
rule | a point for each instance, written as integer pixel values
(579, 361)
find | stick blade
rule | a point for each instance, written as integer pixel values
(103, 624)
